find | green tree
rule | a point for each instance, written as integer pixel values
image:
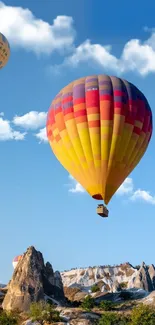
(88, 303)
(8, 318)
(107, 305)
(113, 319)
(95, 288)
(42, 311)
(123, 285)
(143, 315)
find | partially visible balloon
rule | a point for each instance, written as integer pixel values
(99, 127)
(16, 260)
(4, 51)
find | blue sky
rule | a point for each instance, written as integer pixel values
(53, 43)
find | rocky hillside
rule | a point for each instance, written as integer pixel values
(35, 281)
(111, 279)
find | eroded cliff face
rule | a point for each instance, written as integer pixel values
(32, 281)
(111, 279)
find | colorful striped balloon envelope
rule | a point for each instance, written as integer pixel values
(99, 127)
(4, 51)
(16, 260)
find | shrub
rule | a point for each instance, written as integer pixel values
(113, 319)
(8, 318)
(123, 285)
(88, 303)
(143, 315)
(107, 305)
(137, 267)
(95, 288)
(42, 311)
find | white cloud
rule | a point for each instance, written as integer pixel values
(143, 195)
(126, 187)
(7, 133)
(136, 56)
(24, 30)
(95, 52)
(42, 135)
(76, 187)
(32, 120)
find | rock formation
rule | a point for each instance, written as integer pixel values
(111, 279)
(142, 279)
(32, 281)
(75, 316)
(151, 271)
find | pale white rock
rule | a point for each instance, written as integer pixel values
(110, 279)
(87, 277)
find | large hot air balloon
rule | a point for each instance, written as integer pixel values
(4, 51)
(16, 260)
(99, 127)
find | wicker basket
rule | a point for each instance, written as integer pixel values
(102, 211)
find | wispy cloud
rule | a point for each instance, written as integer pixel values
(7, 132)
(143, 196)
(136, 56)
(95, 52)
(24, 30)
(75, 187)
(32, 120)
(126, 187)
(42, 135)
